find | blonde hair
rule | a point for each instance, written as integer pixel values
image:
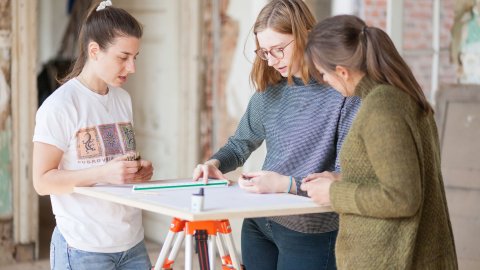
(286, 17)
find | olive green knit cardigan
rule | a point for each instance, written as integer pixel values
(391, 199)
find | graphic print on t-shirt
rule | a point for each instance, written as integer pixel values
(128, 136)
(102, 143)
(111, 140)
(88, 143)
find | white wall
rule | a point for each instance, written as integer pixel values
(239, 88)
(164, 92)
(53, 20)
(344, 7)
(156, 109)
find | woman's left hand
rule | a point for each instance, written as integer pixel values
(264, 182)
(145, 171)
(317, 186)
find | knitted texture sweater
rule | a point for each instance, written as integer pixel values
(391, 199)
(303, 127)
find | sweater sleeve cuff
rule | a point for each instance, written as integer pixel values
(342, 197)
(225, 165)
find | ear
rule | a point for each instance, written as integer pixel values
(93, 49)
(342, 72)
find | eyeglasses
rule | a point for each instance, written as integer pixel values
(275, 52)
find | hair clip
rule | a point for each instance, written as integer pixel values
(104, 4)
(364, 29)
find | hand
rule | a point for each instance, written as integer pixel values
(144, 173)
(318, 189)
(264, 182)
(330, 175)
(119, 170)
(207, 170)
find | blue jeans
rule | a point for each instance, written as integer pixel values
(64, 257)
(267, 245)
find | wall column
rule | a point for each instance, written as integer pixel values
(24, 106)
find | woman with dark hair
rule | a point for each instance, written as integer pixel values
(390, 193)
(303, 124)
(84, 136)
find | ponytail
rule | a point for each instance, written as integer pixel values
(385, 65)
(346, 40)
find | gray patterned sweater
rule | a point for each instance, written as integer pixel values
(303, 127)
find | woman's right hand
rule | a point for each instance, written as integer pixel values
(207, 170)
(120, 171)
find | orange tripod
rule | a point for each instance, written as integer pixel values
(217, 230)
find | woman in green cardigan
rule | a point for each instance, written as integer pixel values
(390, 194)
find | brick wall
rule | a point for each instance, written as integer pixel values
(374, 13)
(417, 36)
(225, 124)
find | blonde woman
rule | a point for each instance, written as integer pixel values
(303, 124)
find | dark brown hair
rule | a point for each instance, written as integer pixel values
(286, 17)
(102, 27)
(346, 40)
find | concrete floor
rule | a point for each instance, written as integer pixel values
(153, 251)
(46, 226)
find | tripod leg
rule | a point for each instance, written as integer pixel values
(226, 260)
(176, 226)
(230, 257)
(167, 265)
(231, 249)
(221, 250)
(201, 237)
(164, 251)
(188, 251)
(211, 252)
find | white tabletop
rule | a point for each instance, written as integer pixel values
(219, 202)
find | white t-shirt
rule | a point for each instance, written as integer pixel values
(90, 129)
